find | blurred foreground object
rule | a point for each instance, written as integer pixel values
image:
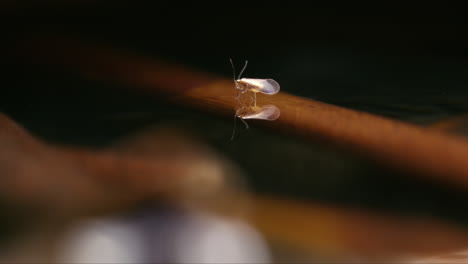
(160, 164)
(164, 235)
(53, 187)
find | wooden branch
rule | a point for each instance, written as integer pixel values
(431, 154)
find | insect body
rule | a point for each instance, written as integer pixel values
(265, 86)
(249, 108)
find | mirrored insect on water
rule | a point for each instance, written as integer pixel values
(266, 112)
(250, 110)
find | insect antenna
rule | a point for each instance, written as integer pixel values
(243, 69)
(233, 70)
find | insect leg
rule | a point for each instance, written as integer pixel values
(234, 130)
(245, 123)
(238, 95)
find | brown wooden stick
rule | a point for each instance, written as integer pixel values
(392, 143)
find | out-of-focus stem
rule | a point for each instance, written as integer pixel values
(392, 143)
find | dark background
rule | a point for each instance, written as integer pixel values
(403, 62)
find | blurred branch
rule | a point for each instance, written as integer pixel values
(428, 153)
(46, 188)
(70, 182)
(455, 125)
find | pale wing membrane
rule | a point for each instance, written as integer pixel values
(266, 86)
(267, 112)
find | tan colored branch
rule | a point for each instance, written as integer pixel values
(431, 154)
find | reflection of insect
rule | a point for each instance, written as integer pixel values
(250, 110)
(266, 112)
(265, 86)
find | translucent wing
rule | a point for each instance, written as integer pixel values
(267, 112)
(266, 86)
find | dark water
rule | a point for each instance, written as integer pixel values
(395, 66)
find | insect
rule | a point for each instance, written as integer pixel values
(265, 86)
(250, 110)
